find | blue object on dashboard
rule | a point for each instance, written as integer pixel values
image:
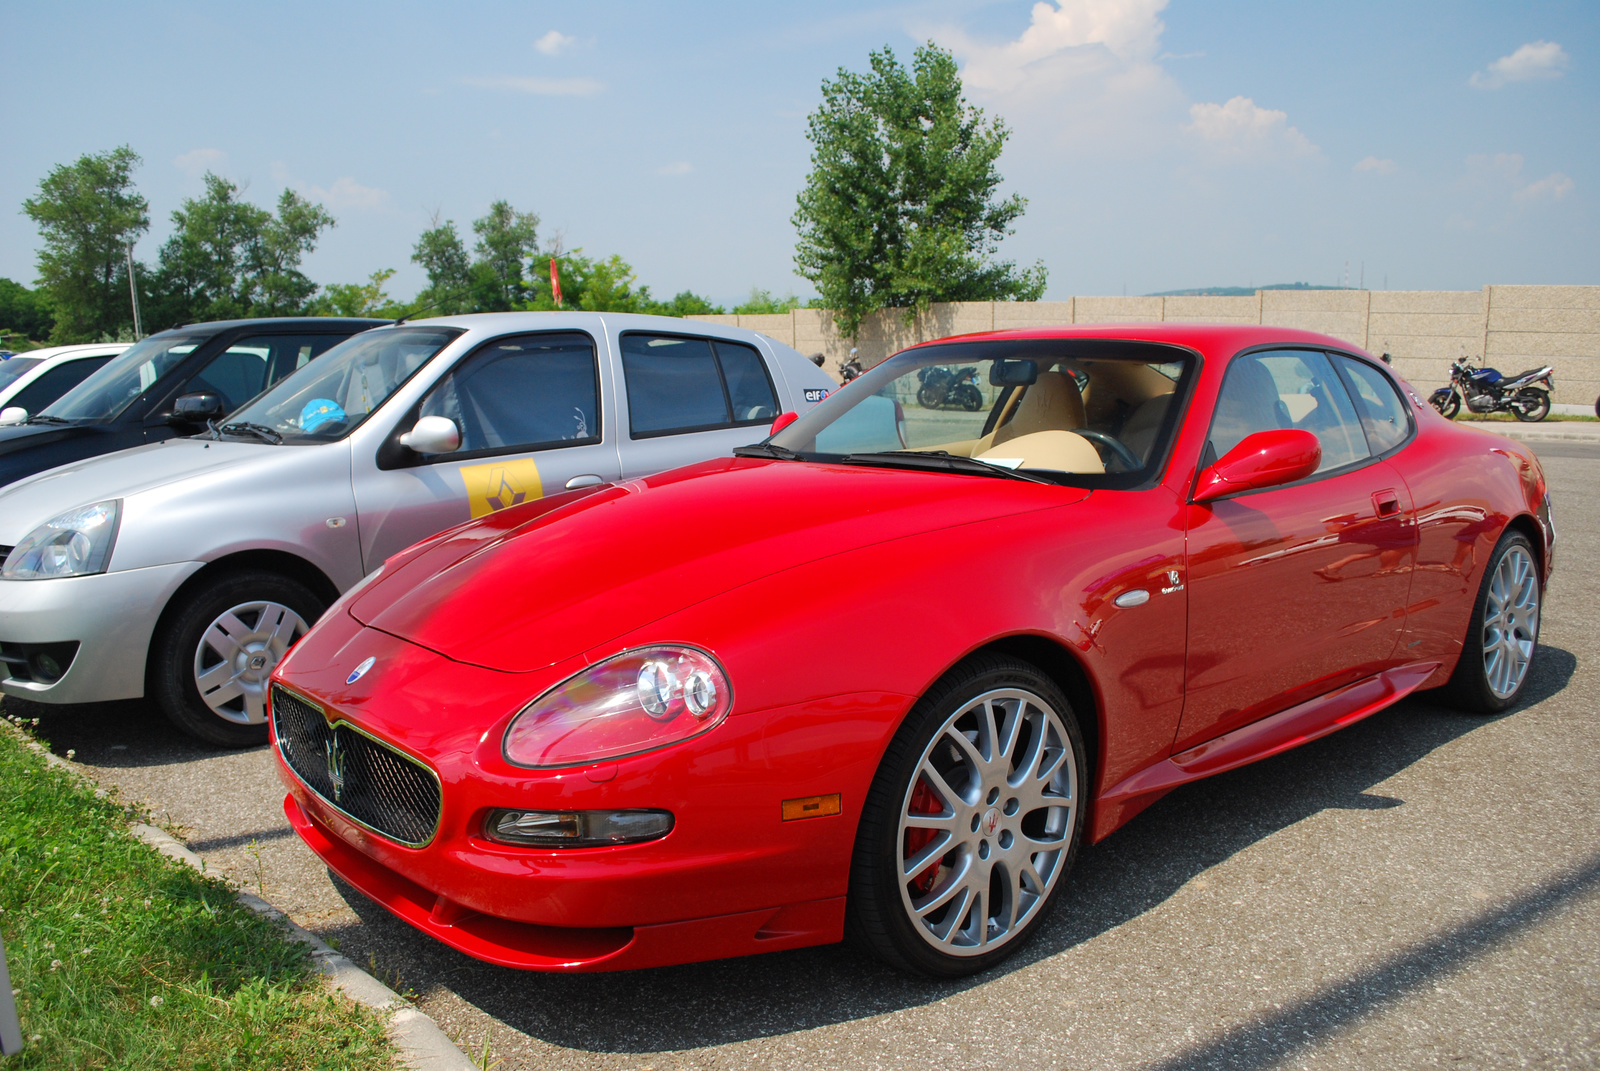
(319, 411)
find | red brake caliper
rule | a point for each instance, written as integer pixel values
(923, 801)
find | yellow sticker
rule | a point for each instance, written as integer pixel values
(501, 484)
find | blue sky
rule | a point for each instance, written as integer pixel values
(1161, 144)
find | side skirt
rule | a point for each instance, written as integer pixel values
(1276, 733)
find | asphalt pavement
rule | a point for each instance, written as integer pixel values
(1420, 890)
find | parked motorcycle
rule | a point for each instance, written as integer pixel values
(1486, 390)
(851, 368)
(949, 386)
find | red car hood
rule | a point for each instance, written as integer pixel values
(520, 594)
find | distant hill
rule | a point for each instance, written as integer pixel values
(1241, 291)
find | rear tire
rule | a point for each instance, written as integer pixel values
(1504, 633)
(1531, 405)
(225, 638)
(971, 823)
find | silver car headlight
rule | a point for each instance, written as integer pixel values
(77, 543)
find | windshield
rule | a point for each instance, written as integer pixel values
(104, 395)
(12, 368)
(1089, 412)
(332, 395)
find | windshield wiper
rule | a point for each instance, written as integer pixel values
(939, 461)
(45, 418)
(783, 453)
(260, 431)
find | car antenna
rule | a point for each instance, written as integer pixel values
(423, 308)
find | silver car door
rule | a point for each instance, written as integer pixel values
(686, 398)
(532, 416)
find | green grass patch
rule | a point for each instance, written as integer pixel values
(1507, 417)
(126, 959)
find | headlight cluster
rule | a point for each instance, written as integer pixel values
(77, 543)
(636, 701)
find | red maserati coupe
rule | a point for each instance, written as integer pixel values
(886, 670)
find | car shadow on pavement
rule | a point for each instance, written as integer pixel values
(127, 734)
(1128, 874)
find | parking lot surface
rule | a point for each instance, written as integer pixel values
(1420, 890)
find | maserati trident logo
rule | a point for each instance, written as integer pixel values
(337, 760)
(360, 671)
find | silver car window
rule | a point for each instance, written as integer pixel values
(104, 395)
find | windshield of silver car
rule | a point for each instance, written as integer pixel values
(331, 396)
(1087, 412)
(104, 395)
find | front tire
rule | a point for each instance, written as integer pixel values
(211, 657)
(1504, 633)
(1448, 406)
(1531, 405)
(972, 821)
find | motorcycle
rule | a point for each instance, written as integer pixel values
(1486, 390)
(947, 386)
(851, 368)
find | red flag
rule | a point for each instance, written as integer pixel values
(555, 282)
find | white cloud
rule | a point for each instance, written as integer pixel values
(680, 167)
(1242, 127)
(197, 162)
(1083, 33)
(554, 43)
(348, 193)
(1535, 60)
(1383, 166)
(1552, 187)
(542, 87)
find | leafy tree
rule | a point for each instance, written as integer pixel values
(358, 299)
(25, 312)
(762, 302)
(686, 303)
(506, 239)
(228, 258)
(443, 256)
(88, 215)
(900, 208)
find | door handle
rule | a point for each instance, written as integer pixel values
(1387, 502)
(588, 479)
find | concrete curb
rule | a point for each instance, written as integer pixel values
(1561, 431)
(423, 1046)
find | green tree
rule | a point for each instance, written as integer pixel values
(443, 256)
(506, 240)
(901, 207)
(686, 303)
(24, 312)
(762, 302)
(358, 299)
(228, 258)
(89, 215)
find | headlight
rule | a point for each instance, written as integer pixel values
(76, 543)
(637, 701)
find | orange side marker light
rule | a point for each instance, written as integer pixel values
(812, 807)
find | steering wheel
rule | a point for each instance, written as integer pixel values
(1119, 449)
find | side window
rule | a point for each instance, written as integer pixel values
(693, 384)
(1288, 389)
(56, 382)
(523, 393)
(1378, 403)
(253, 364)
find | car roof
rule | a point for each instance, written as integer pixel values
(512, 321)
(1208, 339)
(81, 349)
(297, 323)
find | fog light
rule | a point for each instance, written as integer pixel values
(45, 668)
(568, 829)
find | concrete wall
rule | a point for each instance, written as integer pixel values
(1517, 326)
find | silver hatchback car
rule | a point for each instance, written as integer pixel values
(183, 570)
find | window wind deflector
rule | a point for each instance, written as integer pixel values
(45, 418)
(782, 453)
(257, 431)
(939, 461)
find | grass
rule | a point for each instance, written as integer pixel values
(1464, 415)
(125, 959)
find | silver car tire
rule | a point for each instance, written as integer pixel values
(972, 822)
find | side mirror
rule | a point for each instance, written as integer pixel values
(13, 414)
(1265, 459)
(433, 435)
(783, 420)
(197, 407)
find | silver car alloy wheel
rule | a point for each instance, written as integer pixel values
(237, 653)
(986, 822)
(1510, 621)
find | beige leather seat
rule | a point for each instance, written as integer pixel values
(1051, 403)
(1059, 450)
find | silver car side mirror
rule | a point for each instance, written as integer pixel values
(13, 414)
(433, 435)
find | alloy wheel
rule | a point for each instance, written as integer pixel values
(1510, 621)
(236, 654)
(987, 822)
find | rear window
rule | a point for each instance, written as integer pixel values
(679, 384)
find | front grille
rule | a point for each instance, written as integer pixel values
(381, 788)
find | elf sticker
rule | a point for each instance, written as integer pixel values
(816, 394)
(500, 485)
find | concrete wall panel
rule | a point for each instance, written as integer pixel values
(1212, 310)
(1117, 310)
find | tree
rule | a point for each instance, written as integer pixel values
(89, 215)
(506, 239)
(762, 302)
(24, 312)
(900, 208)
(228, 258)
(358, 299)
(443, 256)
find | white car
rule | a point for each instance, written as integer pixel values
(184, 569)
(30, 381)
